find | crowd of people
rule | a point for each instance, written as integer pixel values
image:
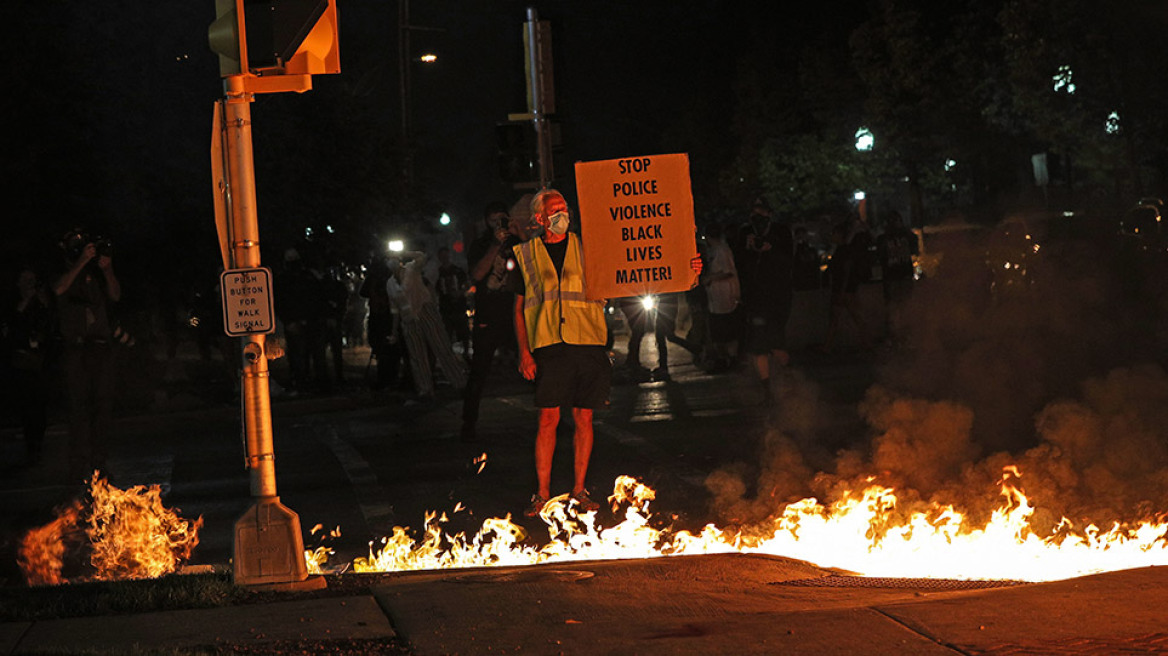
(430, 323)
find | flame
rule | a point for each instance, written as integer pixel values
(119, 534)
(864, 531)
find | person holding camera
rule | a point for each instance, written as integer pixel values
(85, 294)
(491, 260)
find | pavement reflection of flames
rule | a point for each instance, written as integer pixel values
(863, 531)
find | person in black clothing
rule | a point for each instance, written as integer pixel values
(299, 302)
(896, 247)
(386, 348)
(491, 262)
(86, 292)
(765, 263)
(848, 269)
(451, 287)
(806, 273)
(27, 330)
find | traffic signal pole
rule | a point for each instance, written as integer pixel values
(538, 95)
(245, 254)
(268, 545)
(291, 42)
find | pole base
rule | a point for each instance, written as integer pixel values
(269, 548)
(316, 582)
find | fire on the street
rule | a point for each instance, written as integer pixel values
(110, 535)
(865, 532)
(124, 534)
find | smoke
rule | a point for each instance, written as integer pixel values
(1055, 372)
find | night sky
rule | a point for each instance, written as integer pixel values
(109, 110)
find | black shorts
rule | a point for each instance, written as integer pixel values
(766, 328)
(572, 375)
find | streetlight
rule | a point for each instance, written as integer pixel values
(404, 59)
(865, 140)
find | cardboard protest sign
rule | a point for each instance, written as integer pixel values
(637, 225)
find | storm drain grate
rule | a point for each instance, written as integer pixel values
(884, 582)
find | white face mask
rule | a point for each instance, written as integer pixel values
(559, 223)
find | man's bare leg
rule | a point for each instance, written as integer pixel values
(545, 448)
(582, 444)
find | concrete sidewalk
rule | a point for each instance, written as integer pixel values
(719, 604)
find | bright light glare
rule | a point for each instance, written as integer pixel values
(1112, 125)
(444, 219)
(1062, 80)
(396, 246)
(648, 302)
(428, 58)
(949, 164)
(865, 140)
(859, 195)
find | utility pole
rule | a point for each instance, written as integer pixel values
(540, 94)
(269, 546)
(403, 63)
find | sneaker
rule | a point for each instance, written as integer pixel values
(584, 503)
(536, 507)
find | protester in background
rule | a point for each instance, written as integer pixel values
(299, 302)
(357, 308)
(806, 275)
(26, 328)
(720, 278)
(663, 317)
(896, 247)
(639, 318)
(848, 269)
(491, 260)
(421, 327)
(451, 286)
(765, 266)
(85, 293)
(697, 338)
(336, 306)
(383, 344)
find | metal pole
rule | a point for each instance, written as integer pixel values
(403, 62)
(269, 547)
(534, 81)
(245, 254)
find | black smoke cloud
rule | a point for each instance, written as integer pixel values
(1059, 373)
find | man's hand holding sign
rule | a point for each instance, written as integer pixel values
(637, 226)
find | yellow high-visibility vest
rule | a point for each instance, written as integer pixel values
(554, 307)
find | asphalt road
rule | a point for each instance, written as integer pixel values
(365, 462)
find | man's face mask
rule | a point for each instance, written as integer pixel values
(558, 223)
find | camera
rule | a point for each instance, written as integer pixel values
(76, 241)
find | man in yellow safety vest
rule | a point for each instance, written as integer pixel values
(561, 337)
(562, 340)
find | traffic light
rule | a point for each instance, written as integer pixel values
(518, 152)
(283, 37)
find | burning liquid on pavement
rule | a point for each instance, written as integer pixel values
(128, 534)
(109, 535)
(865, 532)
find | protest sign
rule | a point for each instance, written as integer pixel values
(637, 225)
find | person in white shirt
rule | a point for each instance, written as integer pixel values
(421, 325)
